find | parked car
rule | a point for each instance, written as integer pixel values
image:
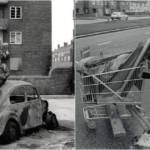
(21, 108)
(119, 15)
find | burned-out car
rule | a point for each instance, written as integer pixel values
(21, 108)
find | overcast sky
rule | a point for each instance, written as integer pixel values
(62, 22)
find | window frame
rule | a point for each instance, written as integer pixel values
(15, 90)
(15, 12)
(37, 99)
(16, 32)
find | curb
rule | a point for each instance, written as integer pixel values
(109, 31)
(58, 96)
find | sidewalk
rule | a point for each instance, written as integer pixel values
(64, 108)
(105, 20)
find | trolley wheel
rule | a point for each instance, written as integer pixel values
(91, 124)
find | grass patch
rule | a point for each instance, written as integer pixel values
(83, 29)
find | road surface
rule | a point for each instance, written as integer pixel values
(102, 137)
(105, 20)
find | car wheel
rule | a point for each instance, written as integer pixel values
(127, 18)
(119, 18)
(112, 18)
(51, 121)
(91, 124)
(11, 132)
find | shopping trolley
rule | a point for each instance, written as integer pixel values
(116, 95)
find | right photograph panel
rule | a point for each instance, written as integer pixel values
(112, 43)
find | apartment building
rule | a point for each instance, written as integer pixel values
(98, 8)
(63, 56)
(79, 7)
(138, 6)
(133, 6)
(25, 26)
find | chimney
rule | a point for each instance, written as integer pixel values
(65, 43)
(58, 46)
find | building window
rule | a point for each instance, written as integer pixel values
(15, 38)
(15, 12)
(77, 10)
(93, 2)
(68, 58)
(86, 11)
(101, 2)
(94, 10)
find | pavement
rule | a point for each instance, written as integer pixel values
(77, 22)
(102, 137)
(64, 108)
(62, 138)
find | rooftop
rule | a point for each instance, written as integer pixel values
(63, 48)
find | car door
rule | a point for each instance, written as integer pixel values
(34, 106)
(18, 105)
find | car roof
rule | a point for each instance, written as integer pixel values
(11, 84)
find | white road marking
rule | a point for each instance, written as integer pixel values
(147, 33)
(104, 43)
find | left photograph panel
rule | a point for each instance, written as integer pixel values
(37, 103)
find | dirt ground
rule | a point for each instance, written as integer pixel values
(40, 138)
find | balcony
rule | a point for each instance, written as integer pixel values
(3, 24)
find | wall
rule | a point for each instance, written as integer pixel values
(79, 5)
(35, 26)
(58, 84)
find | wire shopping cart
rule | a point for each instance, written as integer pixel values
(116, 95)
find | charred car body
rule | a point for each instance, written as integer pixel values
(22, 108)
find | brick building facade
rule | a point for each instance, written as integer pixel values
(63, 57)
(79, 7)
(28, 35)
(98, 8)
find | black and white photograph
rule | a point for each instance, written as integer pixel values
(112, 45)
(37, 98)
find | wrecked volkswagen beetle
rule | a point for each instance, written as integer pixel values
(21, 108)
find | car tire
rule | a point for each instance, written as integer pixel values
(11, 133)
(119, 18)
(112, 18)
(51, 121)
(127, 18)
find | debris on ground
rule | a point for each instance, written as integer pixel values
(144, 140)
